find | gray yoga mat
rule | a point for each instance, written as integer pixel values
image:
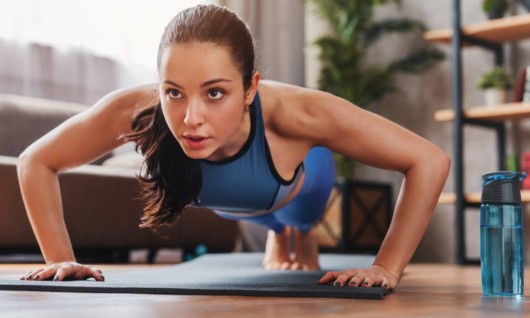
(236, 274)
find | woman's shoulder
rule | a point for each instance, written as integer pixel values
(290, 110)
(119, 107)
(280, 96)
(131, 99)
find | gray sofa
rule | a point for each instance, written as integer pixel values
(100, 200)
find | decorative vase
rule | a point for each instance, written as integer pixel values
(494, 96)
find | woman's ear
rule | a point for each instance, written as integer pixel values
(253, 88)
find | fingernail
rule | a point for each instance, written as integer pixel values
(352, 284)
(37, 277)
(336, 284)
(385, 286)
(365, 284)
(56, 278)
(102, 277)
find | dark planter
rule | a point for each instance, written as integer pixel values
(367, 209)
(496, 14)
(525, 3)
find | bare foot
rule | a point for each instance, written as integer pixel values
(306, 251)
(277, 250)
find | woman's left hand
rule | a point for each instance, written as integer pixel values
(374, 276)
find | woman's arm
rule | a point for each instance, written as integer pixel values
(366, 137)
(79, 140)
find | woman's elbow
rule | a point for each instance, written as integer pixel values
(23, 163)
(440, 162)
(26, 162)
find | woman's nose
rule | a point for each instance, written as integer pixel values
(194, 116)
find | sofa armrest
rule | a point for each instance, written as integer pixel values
(102, 211)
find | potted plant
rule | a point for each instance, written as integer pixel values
(495, 84)
(495, 8)
(344, 71)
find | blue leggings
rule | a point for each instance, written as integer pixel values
(306, 209)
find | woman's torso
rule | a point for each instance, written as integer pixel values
(249, 182)
(285, 153)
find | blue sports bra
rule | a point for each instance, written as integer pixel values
(247, 183)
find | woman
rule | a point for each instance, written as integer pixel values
(213, 134)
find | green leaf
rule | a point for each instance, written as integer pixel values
(388, 26)
(418, 61)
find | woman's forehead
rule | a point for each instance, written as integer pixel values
(205, 61)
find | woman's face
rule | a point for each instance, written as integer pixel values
(203, 100)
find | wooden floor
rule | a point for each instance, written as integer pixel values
(424, 291)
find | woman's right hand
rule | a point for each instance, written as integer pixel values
(64, 271)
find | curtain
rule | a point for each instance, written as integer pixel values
(80, 50)
(278, 28)
(46, 72)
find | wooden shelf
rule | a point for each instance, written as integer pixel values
(474, 197)
(496, 113)
(497, 31)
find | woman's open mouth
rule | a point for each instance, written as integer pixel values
(195, 142)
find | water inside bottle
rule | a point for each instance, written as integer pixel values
(502, 260)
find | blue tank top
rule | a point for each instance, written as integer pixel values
(248, 181)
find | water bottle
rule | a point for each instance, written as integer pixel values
(501, 234)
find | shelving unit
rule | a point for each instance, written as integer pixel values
(490, 35)
(499, 113)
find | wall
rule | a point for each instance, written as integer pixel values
(418, 99)
(277, 27)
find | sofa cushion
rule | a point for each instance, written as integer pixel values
(131, 160)
(25, 119)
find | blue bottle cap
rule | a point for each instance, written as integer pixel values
(502, 187)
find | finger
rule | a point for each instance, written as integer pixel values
(86, 272)
(63, 272)
(368, 282)
(98, 275)
(328, 277)
(36, 274)
(26, 275)
(342, 279)
(385, 283)
(356, 280)
(45, 274)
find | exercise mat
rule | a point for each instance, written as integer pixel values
(235, 274)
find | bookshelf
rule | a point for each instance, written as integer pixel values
(499, 113)
(490, 35)
(496, 31)
(474, 197)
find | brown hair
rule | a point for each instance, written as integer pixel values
(171, 180)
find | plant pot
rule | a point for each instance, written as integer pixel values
(494, 97)
(496, 14)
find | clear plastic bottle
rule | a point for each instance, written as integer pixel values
(501, 234)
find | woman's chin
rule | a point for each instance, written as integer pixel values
(194, 154)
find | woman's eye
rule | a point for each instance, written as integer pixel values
(173, 93)
(215, 94)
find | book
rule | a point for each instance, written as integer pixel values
(519, 88)
(526, 92)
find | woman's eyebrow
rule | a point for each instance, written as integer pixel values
(205, 84)
(171, 83)
(215, 81)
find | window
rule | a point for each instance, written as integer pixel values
(127, 31)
